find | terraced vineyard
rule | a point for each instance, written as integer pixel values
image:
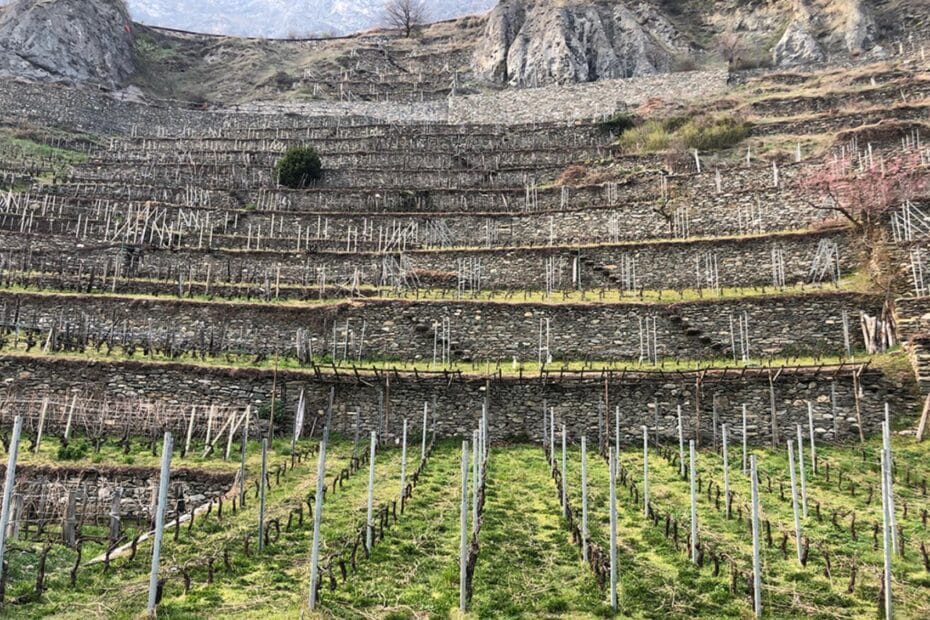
(707, 255)
(528, 564)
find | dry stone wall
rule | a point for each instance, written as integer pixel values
(913, 317)
(587, 100)
(399, 330)
(515, 406)
(740, 262)
(46, 490)
(105, 113)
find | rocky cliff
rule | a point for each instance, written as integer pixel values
(530, 42)
(77, 41)
(820, 27)
(519, 43)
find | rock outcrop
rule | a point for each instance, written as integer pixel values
(821, 28)
(75, 41)
(798, 45)
(860, 30)
(536, 42)
(530, 42)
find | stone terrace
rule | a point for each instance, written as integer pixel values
(433, 244)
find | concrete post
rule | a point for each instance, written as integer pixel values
(8, 485)
(318, 505)
(694, 523)
(794, 498)
(756, 547)
(726, 470)
(403, 466)
(369, 526)
(160, 519)
(463, 531)
(613, 530)
(584, 498)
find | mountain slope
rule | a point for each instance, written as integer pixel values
(282, 18)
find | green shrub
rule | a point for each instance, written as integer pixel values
(299, 167)
(283, 416)
(618, 123)
(704, 133)
(649, 137)
(717, 134)
(75, 450)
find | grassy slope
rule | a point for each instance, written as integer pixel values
(415, 570)
(527, 567)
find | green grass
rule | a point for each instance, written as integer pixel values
(150, 51)
(18, 150)
(791, 590)
(29, 148)
(854, 282)
(893, 359)
(415, 570)
(705, 133)
(527, 566)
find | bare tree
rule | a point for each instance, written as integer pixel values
(731, 47)
(405, 15)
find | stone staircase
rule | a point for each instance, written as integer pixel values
(612, 275)
(912, 318)
(918, 351)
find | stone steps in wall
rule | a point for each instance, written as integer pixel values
(908, 319)
(686, 328)
(919, 354)
(696, 333)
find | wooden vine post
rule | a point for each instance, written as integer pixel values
(857, 402)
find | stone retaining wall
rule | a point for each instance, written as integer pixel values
(45, 490)
(515, 406)
(808, 324)
(743, 261)
(97, 112)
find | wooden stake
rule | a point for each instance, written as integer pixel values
(41, 423)
(681, 446)
(922, 427)
(70, 416)
(274, 391)
(858, 405)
